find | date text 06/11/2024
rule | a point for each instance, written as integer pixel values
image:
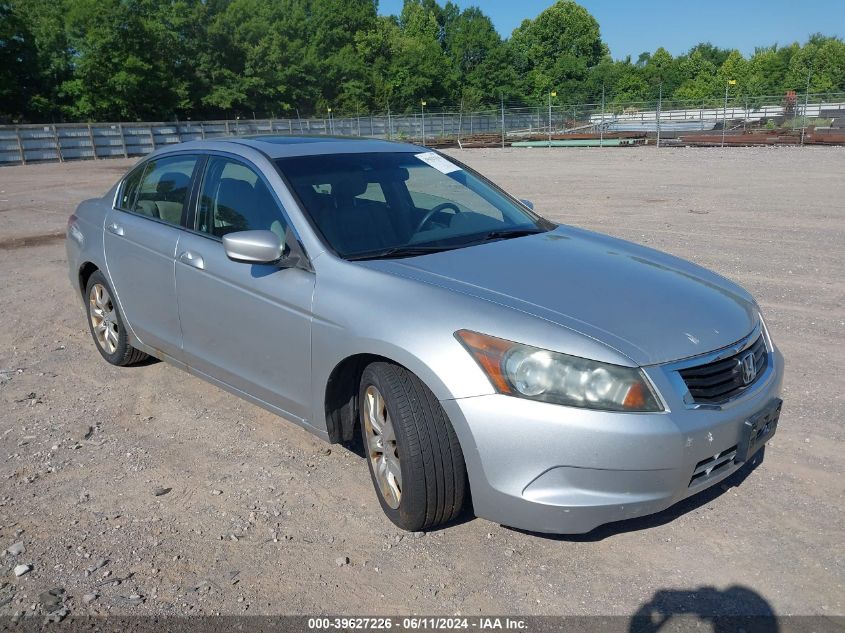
(417, 623)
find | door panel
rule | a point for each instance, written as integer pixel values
(139, 257)
(248, 325)
(140, 241)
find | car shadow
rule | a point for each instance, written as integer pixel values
(737, 608)
(149, 360)
(660, 518)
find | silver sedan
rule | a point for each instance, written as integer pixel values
(561, 378)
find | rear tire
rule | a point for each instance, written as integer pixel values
(106, 324)
(415, 460)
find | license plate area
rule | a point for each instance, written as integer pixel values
(757, 430)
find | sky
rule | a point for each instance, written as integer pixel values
(630, 27)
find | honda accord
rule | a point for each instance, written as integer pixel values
(560, 378)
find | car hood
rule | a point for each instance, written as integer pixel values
(649, 306)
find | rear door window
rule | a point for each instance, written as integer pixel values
(164, 188)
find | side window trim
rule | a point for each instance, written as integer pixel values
(195, 205)
(189, 212)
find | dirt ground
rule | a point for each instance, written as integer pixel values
(260, 516)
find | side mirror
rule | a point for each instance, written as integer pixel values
(527, 203)
(256, 247)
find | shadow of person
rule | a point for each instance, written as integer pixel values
(737, 608)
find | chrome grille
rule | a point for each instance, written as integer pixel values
(722, 380)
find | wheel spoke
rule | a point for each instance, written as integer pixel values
(393, 468)
(392, 496)
(381, 444)
(105, 299)
(373, 399)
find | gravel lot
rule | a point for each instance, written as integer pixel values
(147, 491)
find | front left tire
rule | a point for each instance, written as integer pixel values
(414, 456)
(106, 324)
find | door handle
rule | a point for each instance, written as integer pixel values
(115, 228)
(190, 258)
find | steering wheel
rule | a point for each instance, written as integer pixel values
(429, 214)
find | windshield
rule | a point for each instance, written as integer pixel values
(402, 204)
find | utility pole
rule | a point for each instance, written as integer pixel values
(422, 107)
(806, 103)
(601, 125)
(389, 124)
(552, 93)
(502, 99)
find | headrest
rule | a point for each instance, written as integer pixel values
(172, 181)
(235, 192)
(349, 185)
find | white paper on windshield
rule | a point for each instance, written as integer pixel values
(438, 162)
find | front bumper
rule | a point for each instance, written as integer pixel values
(563, 470)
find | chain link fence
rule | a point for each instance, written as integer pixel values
(791, 119)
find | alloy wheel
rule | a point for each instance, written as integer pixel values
(103, 318)
(381, 447)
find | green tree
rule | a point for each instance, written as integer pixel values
(132, 59)
(259, 59)
(700, 72)
(159, 59)
(341, 78)
(767, 70)
(823, 59)
(18, 65)
(475, 52)
(45, 60)
(556, 50)
(406, 59)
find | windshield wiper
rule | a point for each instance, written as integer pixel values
(505, 234)
(423, 249)
(399, 251)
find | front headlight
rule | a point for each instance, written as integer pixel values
(539, 374)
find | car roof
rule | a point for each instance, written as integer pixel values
(277, 146)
